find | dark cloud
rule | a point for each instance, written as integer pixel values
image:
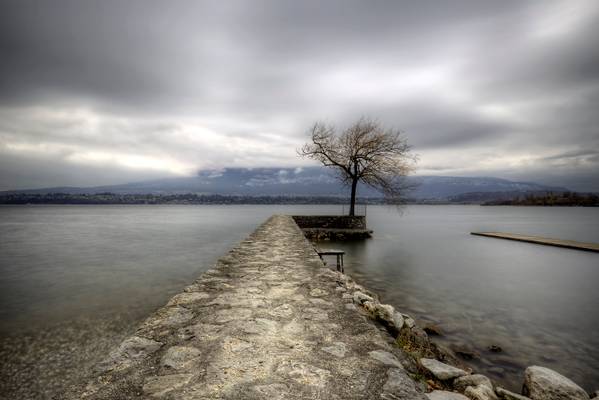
(480, 88)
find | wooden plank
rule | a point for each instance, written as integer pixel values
(330, 252)
(569, 244)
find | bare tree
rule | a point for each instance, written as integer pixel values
(367, 152)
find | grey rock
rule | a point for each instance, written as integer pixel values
(595, 394)
(419, 337)
(480, 392)
(355, 286)
(542, 383)
(387, 314)
(318, 292)
(440, 370)
(338, 349)
(398, 320)
(187, 298)
(235, 345)
(173, 316)
(179, 357)
(305, 374)
(464, 351)
(320, 302)
(409, 321)
(386, 358)
(274, 391)
(360, 298)
(463, 382)
(260, 326)
(138, 347)
(399, 386)
(160, 386)
(384, 311)
(351, 306)
(445, 395)
(231, 314)
(132, 349)
(507, 395)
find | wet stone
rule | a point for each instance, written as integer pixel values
(507, 395)
(132, 349)
(542, 383)
(463, 382)
(173, 316)
(188, 298)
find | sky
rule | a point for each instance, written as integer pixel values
(106, 92)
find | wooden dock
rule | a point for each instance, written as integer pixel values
(569, 244)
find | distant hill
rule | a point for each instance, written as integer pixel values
(313, 181)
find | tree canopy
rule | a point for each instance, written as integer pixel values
(365, 151)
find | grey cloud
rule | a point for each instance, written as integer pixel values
(250, 77)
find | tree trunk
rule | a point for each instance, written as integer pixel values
(352, 206)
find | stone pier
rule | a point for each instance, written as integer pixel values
(269, 321)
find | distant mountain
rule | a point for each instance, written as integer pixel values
(449, 187)
(313, 181)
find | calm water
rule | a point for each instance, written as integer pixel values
(539, 303)
(62, 262)
(59, 263)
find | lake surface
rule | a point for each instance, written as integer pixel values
(63, 264)
(540, 304)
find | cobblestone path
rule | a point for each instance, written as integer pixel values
(269, 321)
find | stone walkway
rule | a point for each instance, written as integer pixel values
(268, 322)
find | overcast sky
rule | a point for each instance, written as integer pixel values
(103, 92)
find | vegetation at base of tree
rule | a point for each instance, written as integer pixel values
(570, 199)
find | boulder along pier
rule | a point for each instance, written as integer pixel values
(271, 321)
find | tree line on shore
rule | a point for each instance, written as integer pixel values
(529, 199)
(186, 198)
(550, 199)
